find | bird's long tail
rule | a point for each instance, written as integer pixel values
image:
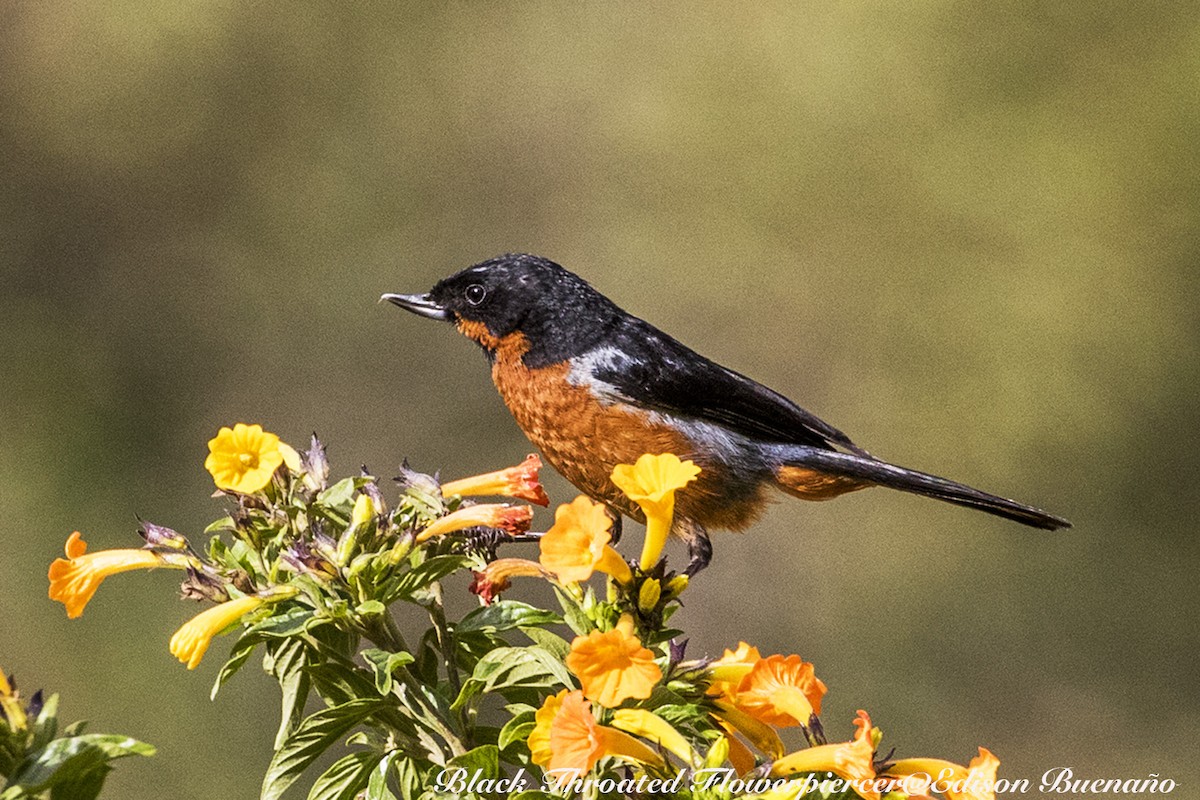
(816, 474)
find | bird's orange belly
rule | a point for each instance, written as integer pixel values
(584, 439)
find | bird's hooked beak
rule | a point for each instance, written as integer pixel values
(421, 304)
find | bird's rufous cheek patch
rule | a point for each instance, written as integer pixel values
(513, 345)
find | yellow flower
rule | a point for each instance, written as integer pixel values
(780, 691)
(851, 761)
(520, 481)
(648, 725)
(566, 740)
(577, 544)
(763, 736)
(494, 578)
(243, 458)
(727, 671)
(74, 579)
(613, 666)
(652, 483)
(11, 708)
(512, 519)
(191, 641)
(975, 781)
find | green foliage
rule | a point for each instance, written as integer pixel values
(36, 762)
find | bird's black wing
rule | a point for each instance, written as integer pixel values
(655, 371)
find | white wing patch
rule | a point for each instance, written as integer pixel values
(583, 373)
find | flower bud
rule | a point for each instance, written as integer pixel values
(717, 754)
(649, 595)
(676, 585)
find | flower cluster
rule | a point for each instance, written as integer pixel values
(600, 688)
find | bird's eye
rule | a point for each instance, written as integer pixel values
(475, 294)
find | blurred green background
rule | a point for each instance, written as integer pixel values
(966, 233)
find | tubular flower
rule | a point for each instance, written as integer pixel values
(652, 483)
(727, 671)
(613, 666)
(511, 519)
(494, 578)
(972, 782)
(851, 761)
(567, 741)
(762, 736)
(191, 641)
(648, 725)
(243, 458)
(520, 482)
(74, 579)
(781, 691)
(577, 544)
(739, 755)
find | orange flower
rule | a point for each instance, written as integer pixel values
(781, 691)
(739, 756)
(613, 666)
(494, 578)
(520, 481)
(511, 519)
(851, 761)
(74, 579)
(727, 671)
(975, 781)
(652, 483)
(243, 458)
(566, 740)
(577, 544)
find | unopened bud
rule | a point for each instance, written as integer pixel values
(717, 754)
(649, 595)
(676, 585)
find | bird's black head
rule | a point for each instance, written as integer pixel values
(522, 304)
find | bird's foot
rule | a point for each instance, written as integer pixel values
(615, 530)
(699, 552)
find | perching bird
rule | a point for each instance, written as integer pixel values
(593, 386)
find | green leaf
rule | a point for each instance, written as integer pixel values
(286, 661)
(509, 667)
(242, 650)
(425, 573)
(504, 615)
(575, 617)
(370, 608)
(45, 727)
(337, 500)
(222, 524)
(74, 767)
(516, 729)
(346, 778)
(534, 794)
(383, 664)
(485, 759)
(294, 621)
(312, 738)
(377, 788)
(550, 641)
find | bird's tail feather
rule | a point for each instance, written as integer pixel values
(816, 474)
